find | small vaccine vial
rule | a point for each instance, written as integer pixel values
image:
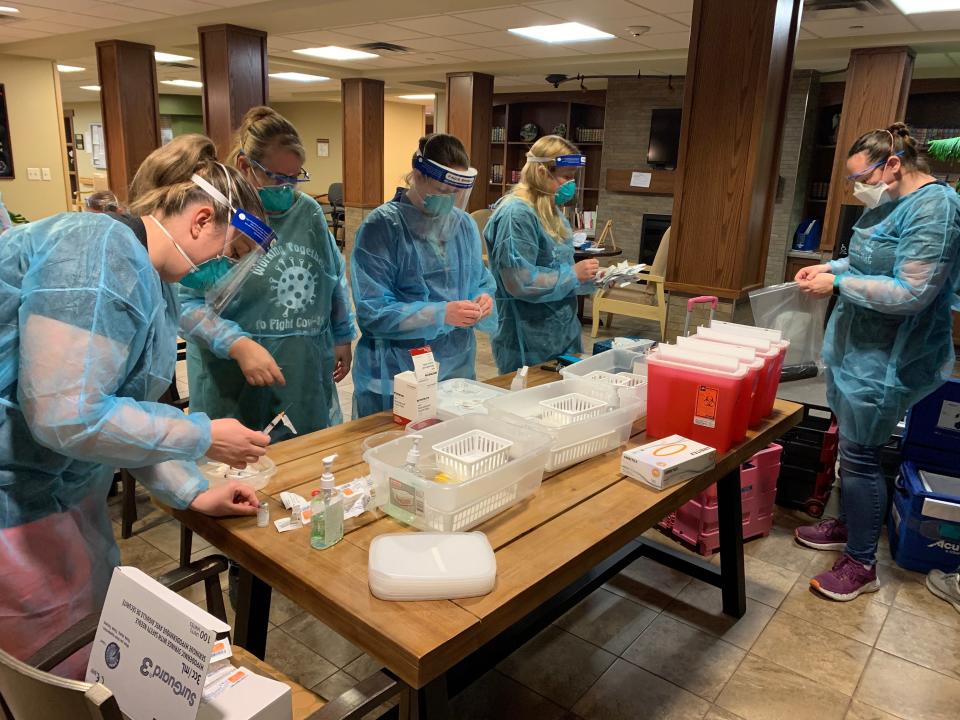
(263, 514)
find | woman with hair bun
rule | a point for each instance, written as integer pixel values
(888, 342)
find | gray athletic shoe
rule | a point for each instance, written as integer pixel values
(945, 586)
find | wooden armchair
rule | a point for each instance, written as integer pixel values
(645, 299)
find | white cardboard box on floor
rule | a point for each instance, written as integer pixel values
(152, 648)
(667, 461)
(244, 695)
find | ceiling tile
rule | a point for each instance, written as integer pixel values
(684, 18)
(594, 9)
(496, 38)
(665, 6)
(440, 25)
(667, 41)
(280, 42)
(64, 5)
(48, 25)
(9, 34)
(322, 38)
(937, 21)
(878, 25)
(615, 45)
(656, 23)
(232, 3)
(126, 14)
(384, 62)
(509, 17)
(933, 60)
(544, 50)
(807, 35)
(380, 31)
(174, 7)
(429, 58)
(483, 54)
(437, 44)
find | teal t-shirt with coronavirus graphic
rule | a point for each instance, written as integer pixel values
(296, 304)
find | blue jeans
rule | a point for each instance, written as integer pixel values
(863, 498)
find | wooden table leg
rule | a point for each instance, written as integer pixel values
(430, 702)
(730, 516)
(253, 613)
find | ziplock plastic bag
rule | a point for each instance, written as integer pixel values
(798, 315)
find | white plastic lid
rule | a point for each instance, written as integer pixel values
(692, 357)
(767, 333)
(761, 345)
(431, 566)
(656, 358)
(742, 353)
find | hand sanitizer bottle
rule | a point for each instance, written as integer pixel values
(412, 465)
(326, 522)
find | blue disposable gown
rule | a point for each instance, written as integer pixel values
(402, 283)
(87, 343)
(888, 341)
(295, 303)
(537, 288)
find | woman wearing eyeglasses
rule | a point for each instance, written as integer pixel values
(284, 342)
(888, 341)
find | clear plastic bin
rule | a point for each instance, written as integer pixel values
(616, 362)
(256, 475)
(456, 506)
(472, 454)
(458, 397)
(577, 441)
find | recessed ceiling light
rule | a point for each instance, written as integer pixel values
(91, 88)
(914, 7)
(563, 32)
(171, 57)
(183, 83)
(299, 77)
(431, 96)
(70, 68)
(332, 52)
(5, 9)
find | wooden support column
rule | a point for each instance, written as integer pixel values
(875, 96)
(362, 151)
(129, 106)
(735, 96)
(233, 66)
(470, 118)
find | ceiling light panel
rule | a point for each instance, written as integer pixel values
(299, 77)
(913, 7)
(332, 52)
(562, 33)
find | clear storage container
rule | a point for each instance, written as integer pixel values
(451, 505)
(458, 397)
(580, 440)
(472, 454)
(256, 475)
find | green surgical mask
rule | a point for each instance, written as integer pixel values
(565, 193)
(277, 198)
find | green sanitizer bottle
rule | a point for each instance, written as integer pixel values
(326, 519)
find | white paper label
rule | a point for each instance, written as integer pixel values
(640, 179)
(949, 416)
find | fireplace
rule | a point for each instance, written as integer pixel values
(652, 228)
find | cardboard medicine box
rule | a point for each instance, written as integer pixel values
(667, 461)
(415, 391)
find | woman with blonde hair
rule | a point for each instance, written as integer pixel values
(88, 331)
(531, 255)
(284, 342)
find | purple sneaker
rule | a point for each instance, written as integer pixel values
(846, 580)
(825, 535)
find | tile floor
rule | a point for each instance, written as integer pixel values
(653, 643)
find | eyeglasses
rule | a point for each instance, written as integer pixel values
(279, 178)
(866, 173)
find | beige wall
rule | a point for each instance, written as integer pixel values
(36, 137)
(315, 120)
(403, 126)
(85, 114)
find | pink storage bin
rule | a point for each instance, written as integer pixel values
(696, 524)
(697, 399)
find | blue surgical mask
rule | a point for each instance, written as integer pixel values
(207, 274)
(565, 193)
(437, 205)
(277, 198)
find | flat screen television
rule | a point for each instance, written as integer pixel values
(664, 138)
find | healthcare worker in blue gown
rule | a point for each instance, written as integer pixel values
(418, 277)
(888, 342)
(531, 255)
(285, 340)
(88, 332)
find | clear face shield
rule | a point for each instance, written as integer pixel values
(225, 284)
(568, 170)
(436, 191)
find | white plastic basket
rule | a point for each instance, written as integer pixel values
(630, 379)
(569, 409)
(620, 379)
(472, 454)
(583, 449)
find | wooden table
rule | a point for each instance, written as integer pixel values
(582, 527)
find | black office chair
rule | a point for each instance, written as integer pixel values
(336, 213)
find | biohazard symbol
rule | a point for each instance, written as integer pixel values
(295, 287)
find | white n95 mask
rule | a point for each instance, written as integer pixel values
(871, 195)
